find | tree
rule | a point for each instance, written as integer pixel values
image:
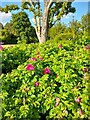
(74, 29)
(57, 31)
(43, 19)
(23, 30)
(85, 21)
(7, 34)
(1, 26)
(18, 30)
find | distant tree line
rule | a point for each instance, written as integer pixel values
(75, 29)
(19, 30)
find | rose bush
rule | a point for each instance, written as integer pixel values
(51, 88)
(14, 56)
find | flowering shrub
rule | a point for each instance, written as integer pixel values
(14, 56)
(51, 88)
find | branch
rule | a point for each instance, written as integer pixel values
(32, 3)
(49, 4)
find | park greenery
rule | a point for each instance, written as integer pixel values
(19, 30)
(43, 18)
(48, 81)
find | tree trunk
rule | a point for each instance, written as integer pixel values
(41, 25)
(44, 28)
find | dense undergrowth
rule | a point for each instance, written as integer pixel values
(51, 81)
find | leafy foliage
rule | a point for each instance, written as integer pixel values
(19, 30)
(58, 10)
(24, 31)
(54, 87)
(74, 30)
(14, 56)
(7, 34)
(1, 26)
(57, 32)
(43, 19)
(86, 24)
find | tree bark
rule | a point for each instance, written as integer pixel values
(44, 26)
(41, 25)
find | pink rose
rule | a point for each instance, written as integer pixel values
(85, 77)
(37, 84)
(56, 104)
(60, 46)
(33, 59)
(80, 111)
(78, 100)
(85, 69)
(57, 99)
(29, 67)
(47, 71)
(41, 58)
(1, 48)
(87, 47)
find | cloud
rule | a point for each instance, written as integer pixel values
(5, 17)
(68, 16)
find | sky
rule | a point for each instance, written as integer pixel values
(81, 9)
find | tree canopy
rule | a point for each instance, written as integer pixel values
(43, 19)
(23, 30)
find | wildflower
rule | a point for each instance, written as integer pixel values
(30, 67)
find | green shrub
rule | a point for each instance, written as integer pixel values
(14, 56)
(53, 84)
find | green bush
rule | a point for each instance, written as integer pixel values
(53, 84)
(14, 56)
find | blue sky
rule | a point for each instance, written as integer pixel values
(81, 9)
